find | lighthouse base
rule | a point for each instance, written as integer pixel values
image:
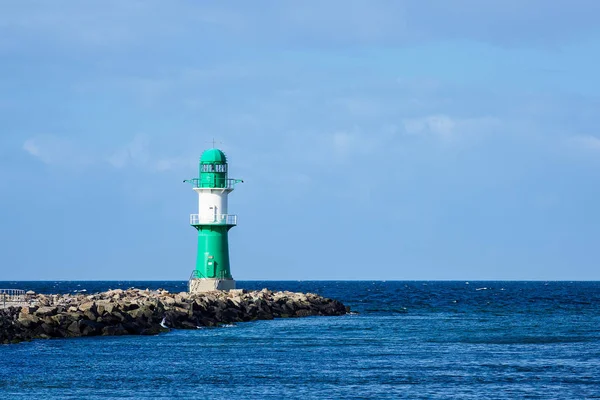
(198, 285)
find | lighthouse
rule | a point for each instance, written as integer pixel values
(213, 223)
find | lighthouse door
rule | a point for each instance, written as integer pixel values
(210, 267)
(214, 213)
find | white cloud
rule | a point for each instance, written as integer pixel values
(357, 142)
(588, 142)
(343, 143)
(55, 150)
(335, 22)
(31, 147)
(434, 124)
(360, 106)
(137, 154)
(446, 127)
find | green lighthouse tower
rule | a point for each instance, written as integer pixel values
(213, 223)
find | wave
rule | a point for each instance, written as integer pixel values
(527, 340)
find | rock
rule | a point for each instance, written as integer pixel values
(235, 302)
(90, 328)
(43, 301)
(153, 330)
(58, 319)
(181, 298)
(168, 301)
(105, 307)
(116, 330)
(128, 306)
(264, 315)
(87, 306)
(45, 311)
(187, 325)
(28, 320)
(142, 312)
(90, 315)
(303, 313)
(49, 329)
(28, 310)
(74, 316)
(74, 328)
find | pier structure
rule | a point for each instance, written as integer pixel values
(12, 298)
(213, 222)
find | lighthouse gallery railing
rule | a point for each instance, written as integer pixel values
(228, 183)
(221, 219)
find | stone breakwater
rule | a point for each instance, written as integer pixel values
(147, 312)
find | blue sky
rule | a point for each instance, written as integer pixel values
(377, 139)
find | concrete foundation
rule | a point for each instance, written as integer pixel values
(198, 285)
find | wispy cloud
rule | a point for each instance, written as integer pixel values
(56, 150)
(60, 151)
(448, 128)
(441, 125)
(298, 24)
(587, 142)
(137, 154)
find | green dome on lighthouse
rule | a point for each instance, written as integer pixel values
(212, 156)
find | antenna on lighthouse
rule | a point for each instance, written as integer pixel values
(214, 143)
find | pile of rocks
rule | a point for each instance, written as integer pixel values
(146, 312)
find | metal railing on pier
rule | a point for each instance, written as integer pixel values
(199, 275)
(9, 296)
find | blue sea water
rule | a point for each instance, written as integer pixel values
(429, 340)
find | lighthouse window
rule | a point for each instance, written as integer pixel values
(213, 168)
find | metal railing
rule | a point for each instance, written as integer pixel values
(11, 296)
(227, 184)
(199, 275)
(220, 219)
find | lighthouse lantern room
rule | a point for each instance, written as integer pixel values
(213, 223)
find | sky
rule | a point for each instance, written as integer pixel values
(377, 140)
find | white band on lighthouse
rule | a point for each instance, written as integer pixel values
(211, 203)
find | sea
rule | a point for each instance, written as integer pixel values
(403, 339)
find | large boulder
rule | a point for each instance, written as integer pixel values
(46, 311)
